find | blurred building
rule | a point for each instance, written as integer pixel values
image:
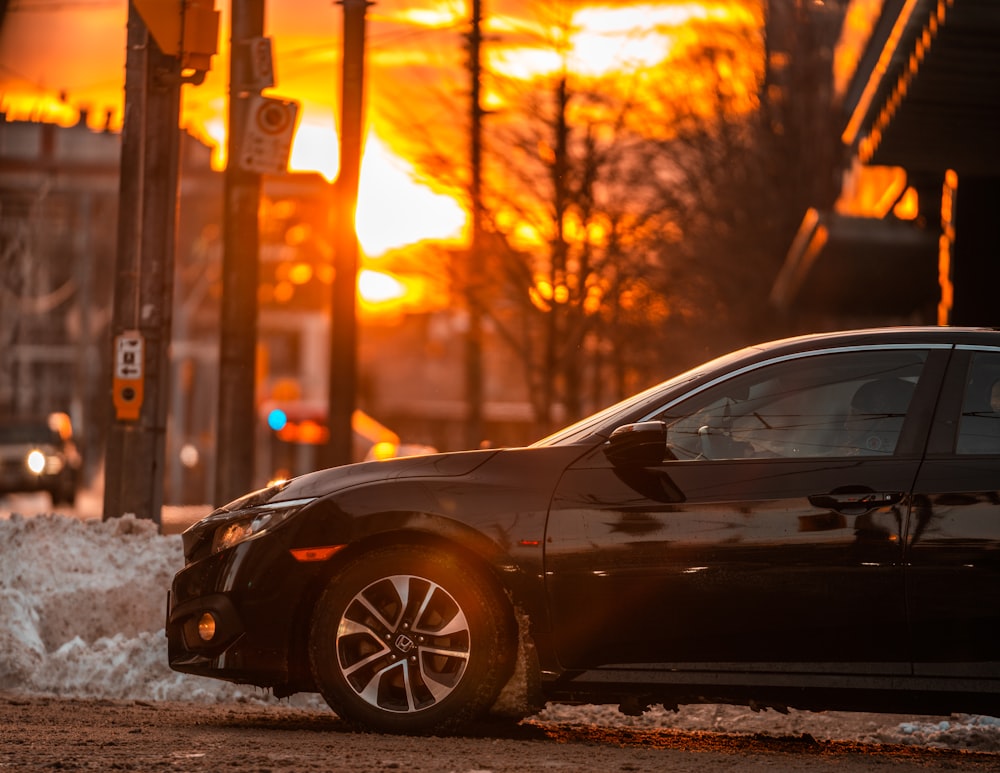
(916, 86)
(55, 182)
(58, 239)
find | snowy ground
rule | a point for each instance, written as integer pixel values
(81, 615)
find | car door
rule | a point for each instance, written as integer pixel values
(953, 587)
(771, 535)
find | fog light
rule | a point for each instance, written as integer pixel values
(206, 627)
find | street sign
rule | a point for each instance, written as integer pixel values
(261, 62)
(267, 137)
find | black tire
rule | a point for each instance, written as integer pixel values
(408, 639)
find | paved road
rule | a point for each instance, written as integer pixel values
(38, 733)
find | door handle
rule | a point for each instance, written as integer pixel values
(856, 502)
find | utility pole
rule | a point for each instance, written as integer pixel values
(560, 313)
(236, 428)
(343, 324)
(141, 314)
(476, 263)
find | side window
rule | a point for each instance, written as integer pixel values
(979, 427)
(842, 404)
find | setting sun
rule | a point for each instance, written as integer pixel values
(393, 209)
(376, 287)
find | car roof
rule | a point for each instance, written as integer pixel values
(912, 334)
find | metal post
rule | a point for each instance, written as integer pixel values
(343, 333)
(473, 271)
(134, 462)
(235, 432)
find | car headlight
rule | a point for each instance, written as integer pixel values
(252, 523)
(42, 461)
(35, 462)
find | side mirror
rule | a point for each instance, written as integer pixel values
(643, 444)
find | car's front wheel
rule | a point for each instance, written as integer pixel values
(409, 639)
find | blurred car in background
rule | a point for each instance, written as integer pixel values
(39, 454)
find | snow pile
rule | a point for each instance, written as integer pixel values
(960, 731)
(82, 603)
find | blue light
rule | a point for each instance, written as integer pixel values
(277, 419)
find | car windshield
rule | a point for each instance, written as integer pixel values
(603, 423)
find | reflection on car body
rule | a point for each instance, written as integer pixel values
(809, 523)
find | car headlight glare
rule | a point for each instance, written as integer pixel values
(255, 522)
(36, 462)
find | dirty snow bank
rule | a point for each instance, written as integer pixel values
(82, 604)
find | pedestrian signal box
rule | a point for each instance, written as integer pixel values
(128, 375)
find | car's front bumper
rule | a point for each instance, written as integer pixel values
(258, 598)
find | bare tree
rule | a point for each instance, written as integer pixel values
(635, 222)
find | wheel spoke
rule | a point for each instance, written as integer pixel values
(456, 653)
(437, 689)
(434, 680)
(456, 624)
(371, 693)
(349, 627)
(424, 603)
(349, 669)
(376, 612)
(402, 586)
(411, 703)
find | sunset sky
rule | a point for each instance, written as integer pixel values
(60, 56)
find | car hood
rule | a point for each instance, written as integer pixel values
(323, 482)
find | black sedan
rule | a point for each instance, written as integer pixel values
(809, 523)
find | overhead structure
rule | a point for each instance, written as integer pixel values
(926, 94)
(925, 97)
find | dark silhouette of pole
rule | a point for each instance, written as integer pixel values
(344, 328)
(141, 315)
(474, 432)
(237, 424)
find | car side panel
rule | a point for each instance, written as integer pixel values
(727, 563)
(953, 577)
(953, 546)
